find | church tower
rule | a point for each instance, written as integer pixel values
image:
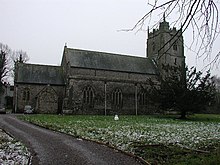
(165, 47)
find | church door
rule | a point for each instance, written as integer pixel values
(47, 101)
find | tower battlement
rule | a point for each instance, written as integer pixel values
(165, 47)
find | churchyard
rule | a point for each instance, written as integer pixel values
(156, 139)
(12, 151)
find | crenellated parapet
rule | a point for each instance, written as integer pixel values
(165, 47)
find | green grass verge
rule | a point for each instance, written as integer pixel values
(157, 139)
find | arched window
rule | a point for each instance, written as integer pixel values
(117, 99)
(88, 96)
(143, 98)
(175, 61)
(153, 46)
(175, 46)
(26, 94)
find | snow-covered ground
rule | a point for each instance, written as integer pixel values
(125, 133)
(12, 152)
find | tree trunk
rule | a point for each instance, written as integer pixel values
(183, 114)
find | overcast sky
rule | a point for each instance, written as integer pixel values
(42, 27)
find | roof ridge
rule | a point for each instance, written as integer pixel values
(108, 53)
(46, 65)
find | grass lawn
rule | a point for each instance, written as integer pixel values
(157, 139)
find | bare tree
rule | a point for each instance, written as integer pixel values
(20, 56)
(8, 59)
(200, 15)
(5, 52)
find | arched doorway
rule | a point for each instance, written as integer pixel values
(47, 101)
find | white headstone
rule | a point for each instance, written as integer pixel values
(116, 117)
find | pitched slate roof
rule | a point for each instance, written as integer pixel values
(109, 61)
(39, 74)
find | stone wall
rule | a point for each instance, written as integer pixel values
(111, 75)
(111, 92)
(165, 46)
(29, 94)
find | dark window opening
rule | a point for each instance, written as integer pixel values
(175, 61)
(26, 94)
(117, 98)
(153, 46)
(88, 96)
(175, 46)
(143, 99)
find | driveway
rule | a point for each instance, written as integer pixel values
(51, 148)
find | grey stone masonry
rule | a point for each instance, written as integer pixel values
(100, 83)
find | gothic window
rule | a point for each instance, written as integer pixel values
(175, 61)
(117, 98)
(88, 96)
(26, 94)
(175, 46)
(153, 46)
(142, 98)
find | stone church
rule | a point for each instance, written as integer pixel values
(91, 82)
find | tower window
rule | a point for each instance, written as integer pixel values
(175, 61)
(175, 46)
(153, 46)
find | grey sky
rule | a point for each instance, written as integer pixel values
(42, 27)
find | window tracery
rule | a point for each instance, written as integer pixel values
(143, 98)
(26, 94)
(88, 96)
(117, 98)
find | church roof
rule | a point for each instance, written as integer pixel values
(109, 61)
(39, 74)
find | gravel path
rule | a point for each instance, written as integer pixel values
(49, 147)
